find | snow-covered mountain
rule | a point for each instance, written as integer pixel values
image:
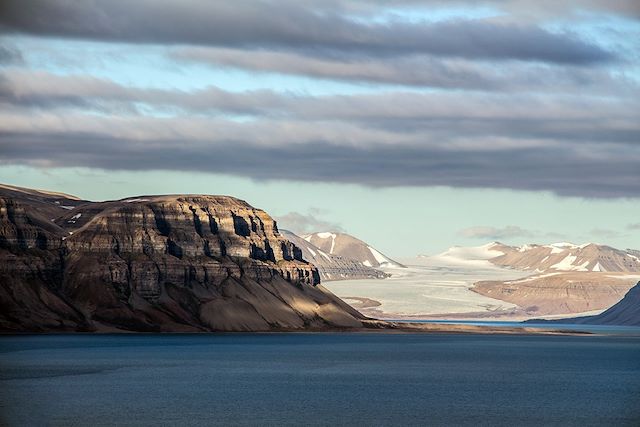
(349, 247)
(332, 267)
(568, 257)
(554, 257)
(564, 277)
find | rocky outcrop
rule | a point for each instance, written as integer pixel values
(333, 267)
(348, 247)
(154, 263)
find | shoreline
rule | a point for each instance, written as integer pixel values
(372, 326)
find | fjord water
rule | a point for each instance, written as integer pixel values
(319, 379)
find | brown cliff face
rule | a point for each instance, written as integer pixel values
(560, 293)
(168, 263)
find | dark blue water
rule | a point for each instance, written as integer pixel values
(319, 379)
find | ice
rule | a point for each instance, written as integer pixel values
(434, 287)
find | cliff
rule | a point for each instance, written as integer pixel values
(154, 263)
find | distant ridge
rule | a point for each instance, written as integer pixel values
(555, 257)
(349, 247)
(564, 278)
(332, 267)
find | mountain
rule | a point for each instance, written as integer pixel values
(549, 258)
(332, 267)
(563, 278)
(349, 247)
(625, 313)
(567, 278)
(567, 257)
(561, 292)
(154, 263)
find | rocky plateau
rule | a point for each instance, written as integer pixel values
(173, 263)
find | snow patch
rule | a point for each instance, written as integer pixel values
(325, 235)
(566, 264)
(555, 249)
(381, 259)
(312, 251)
(563, 245)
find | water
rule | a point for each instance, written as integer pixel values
(319, 379)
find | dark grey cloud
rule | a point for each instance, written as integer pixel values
(462, 120)
(161, 145)
(523, 9)
(300, 223)
(10, 56)
(576, 145)
(495, 233)
(292, 26)
(517, 106)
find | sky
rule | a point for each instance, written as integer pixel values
(413, 125)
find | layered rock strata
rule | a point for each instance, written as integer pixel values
(154, 263)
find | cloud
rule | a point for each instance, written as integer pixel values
(295, 26)
(415, 70)
(456, 120)
(634, 226)
(606, 233)
(306, 223)
(510, 102)
(326, 151)
(10, 56)
(495, 233)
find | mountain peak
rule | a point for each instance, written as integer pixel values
(350, 247)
